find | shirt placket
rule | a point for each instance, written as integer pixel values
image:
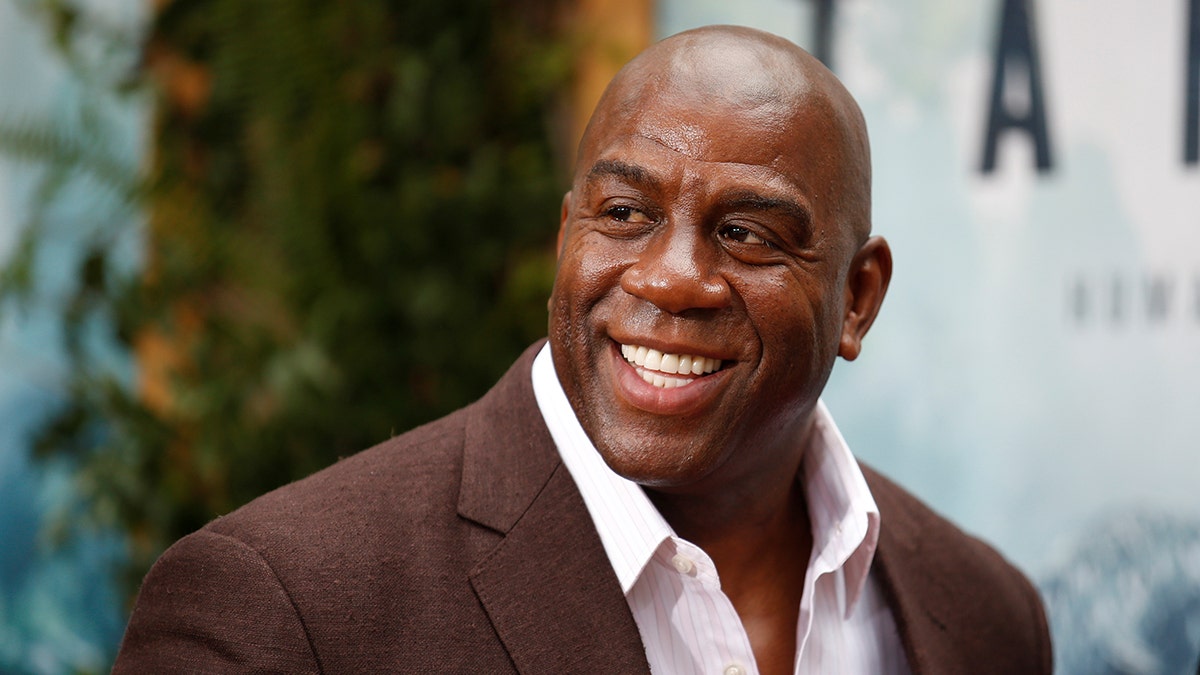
(717, 632)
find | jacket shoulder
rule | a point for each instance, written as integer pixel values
(369, 559)
(415, 470)
(959, 604)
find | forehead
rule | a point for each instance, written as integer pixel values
(789, 143)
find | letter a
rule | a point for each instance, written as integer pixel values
(1191, 133)
(823, 32)
(1016, 51)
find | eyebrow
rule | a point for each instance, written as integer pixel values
(630, 172)
(737, 200)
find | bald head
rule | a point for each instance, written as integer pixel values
(759, 82)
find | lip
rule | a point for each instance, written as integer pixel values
(633, 390)
(670, 347)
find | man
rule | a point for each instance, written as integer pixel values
(659, 487)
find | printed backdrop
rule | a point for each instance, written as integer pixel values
(1035, 374)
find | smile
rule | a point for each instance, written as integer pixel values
(658, 369)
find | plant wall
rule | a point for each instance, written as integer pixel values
(350, 212)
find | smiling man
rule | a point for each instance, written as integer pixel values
(656, 488)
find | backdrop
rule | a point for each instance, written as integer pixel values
(1035, 373)
(59, 609)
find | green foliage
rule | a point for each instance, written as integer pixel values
(351, 210)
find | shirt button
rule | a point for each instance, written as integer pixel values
(685, 566)
(735, 670)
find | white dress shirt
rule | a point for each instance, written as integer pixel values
(687, 623)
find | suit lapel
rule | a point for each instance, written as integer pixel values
(914, 591)
(547, 587)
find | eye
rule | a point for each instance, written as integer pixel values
(626, 214)
(743, 235)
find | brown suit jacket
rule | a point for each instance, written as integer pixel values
(464, 546)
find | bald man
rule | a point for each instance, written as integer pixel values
(656, 488)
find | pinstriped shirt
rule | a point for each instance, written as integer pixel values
(687, 624)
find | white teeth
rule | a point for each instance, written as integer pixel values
(653, 359)
(662, 381)
(655, 365)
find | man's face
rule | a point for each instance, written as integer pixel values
(700, 293)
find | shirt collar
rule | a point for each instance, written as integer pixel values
(844, 516)
(628, 524)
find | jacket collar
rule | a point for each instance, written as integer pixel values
(915, 592)
(552, 598)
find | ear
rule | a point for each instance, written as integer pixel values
(866, 284)
(562, 224)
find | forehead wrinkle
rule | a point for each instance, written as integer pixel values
(686, 139)
(726, 162)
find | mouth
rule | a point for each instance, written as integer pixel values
(666, 370)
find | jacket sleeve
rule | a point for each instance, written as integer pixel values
(212, 604)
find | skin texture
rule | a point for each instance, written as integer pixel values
(720, 207)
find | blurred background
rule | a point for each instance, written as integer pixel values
(239, 240)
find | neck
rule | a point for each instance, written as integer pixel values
(740, 532)
(756, 501)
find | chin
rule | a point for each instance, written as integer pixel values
(658, 467)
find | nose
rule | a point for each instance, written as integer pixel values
(676, 273)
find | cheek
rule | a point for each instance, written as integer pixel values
(590, 269)
(798, 323)
(587, 273)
